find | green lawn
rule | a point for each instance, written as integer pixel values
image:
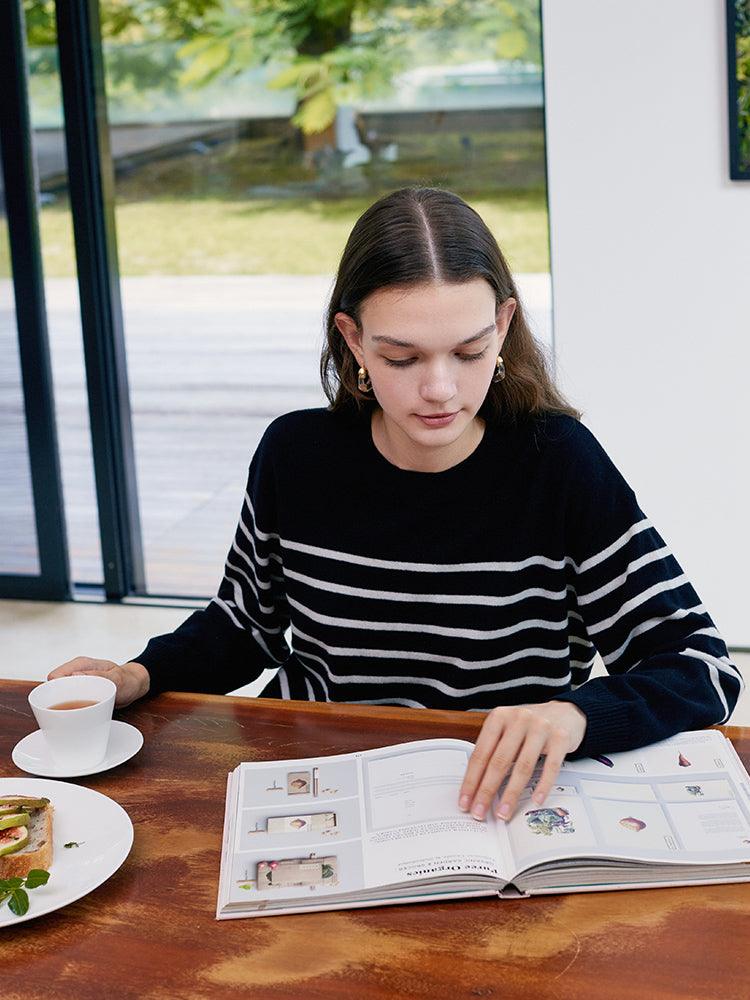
(224, 236)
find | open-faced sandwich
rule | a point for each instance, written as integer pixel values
(25, 835)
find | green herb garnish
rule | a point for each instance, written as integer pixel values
(14, 890)
(72, 843)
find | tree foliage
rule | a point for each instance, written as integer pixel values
(336, 51)
(125, 20)
(329, 52)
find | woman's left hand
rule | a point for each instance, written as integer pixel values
(511, 742)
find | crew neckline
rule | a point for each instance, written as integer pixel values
(425, 476)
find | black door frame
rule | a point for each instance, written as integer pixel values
(91, 186)
(20, 185)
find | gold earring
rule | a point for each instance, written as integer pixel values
(499, 370)
(363, 382)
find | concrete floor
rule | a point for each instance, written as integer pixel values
(38, 636)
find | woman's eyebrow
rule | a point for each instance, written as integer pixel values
(405, 343)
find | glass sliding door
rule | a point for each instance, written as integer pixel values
(19, 550)
(33, 550)
(210, 187)
(246, 140)
(91, 201)
(61, 296)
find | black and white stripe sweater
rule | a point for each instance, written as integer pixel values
(492, 583)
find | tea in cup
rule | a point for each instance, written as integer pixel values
(75, 715)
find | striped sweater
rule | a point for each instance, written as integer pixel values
(491, 583)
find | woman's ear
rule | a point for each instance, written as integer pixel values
(351, 334)
(504, 316)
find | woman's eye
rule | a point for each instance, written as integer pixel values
(399, 362)
(472, 357)
(403, 362)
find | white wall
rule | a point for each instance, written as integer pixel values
(651, 271)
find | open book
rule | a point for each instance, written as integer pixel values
(383, 826)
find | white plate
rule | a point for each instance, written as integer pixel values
(31, 753)
(99, 825)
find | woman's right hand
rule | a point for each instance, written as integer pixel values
(132, 679)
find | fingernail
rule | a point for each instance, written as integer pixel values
(538, 798)
(504, 811)
(479, 810)
(463, 802)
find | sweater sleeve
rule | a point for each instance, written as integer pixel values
(668, 667)
(241, 632)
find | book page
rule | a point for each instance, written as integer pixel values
(295, 830)
(332, 825)
(412, 824)
(683, 800)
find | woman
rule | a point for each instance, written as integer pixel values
(447, 533)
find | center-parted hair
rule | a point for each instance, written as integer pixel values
(419, 235)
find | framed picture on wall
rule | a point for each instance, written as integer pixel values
(738, 63)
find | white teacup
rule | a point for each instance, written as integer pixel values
(76, 737)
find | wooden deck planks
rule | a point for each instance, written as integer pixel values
(211, 361)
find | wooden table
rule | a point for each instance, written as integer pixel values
(128, 939)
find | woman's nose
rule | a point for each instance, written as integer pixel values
(438, 387)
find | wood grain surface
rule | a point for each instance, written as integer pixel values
(149, 933)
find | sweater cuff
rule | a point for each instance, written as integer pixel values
(163, 675)
(607, 721)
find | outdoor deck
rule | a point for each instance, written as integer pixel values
(211, 361)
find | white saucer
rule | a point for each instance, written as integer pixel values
(31, 753)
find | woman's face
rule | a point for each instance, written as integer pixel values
(430, 352)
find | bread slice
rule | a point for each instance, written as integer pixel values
(38, 851)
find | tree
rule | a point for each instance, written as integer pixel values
(333, 52)
(126, 20)
(329, 52)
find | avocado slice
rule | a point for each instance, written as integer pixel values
(15, 803)
(13, 839)
(15, 819)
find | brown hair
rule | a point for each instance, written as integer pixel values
(418, 235)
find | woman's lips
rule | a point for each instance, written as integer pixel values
(438, 420)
